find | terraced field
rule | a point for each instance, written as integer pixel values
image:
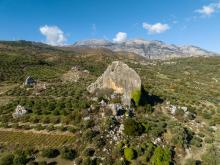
(38, 140)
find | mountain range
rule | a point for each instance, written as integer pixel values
(148, 49)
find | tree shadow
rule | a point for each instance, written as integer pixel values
(147, 98)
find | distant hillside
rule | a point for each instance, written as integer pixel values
(149, 49)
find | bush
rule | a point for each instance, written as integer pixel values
(100, 142)
(161, 156)
(129, 154)
(6, 159)
(132, 128)
(196, 141)
(50, 153)
(89, 152)
(88, 135)
(149, 150)
(68, 153)
(20, 159)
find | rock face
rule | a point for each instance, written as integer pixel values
(148, 49)
(119, 77)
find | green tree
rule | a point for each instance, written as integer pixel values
(50, 153)
(161, 156)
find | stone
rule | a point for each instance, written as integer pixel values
(103, 103)
(19, 112)
(173, 109)
(29, 81)
(121, 78)
(117, 109)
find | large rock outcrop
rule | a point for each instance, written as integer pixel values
(121, 78)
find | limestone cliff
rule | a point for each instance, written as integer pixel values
(119, 77)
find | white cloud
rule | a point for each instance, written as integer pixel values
(156, 28)
(54, 35)
(208, 10)
(120, 37)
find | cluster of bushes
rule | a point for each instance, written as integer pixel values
(28, 156)
(146, 152)
(133, 127)
(17, 158)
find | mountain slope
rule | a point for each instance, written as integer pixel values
(149, 49)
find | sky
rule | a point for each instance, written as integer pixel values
(62, 22)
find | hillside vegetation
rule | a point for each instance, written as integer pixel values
(63, 116)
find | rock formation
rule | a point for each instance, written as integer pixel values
(121, 78)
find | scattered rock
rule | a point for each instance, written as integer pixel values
(119, 77)
(29, 81)
(19, 112)
(103, 103)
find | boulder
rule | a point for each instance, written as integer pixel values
(121, 78)
(19, 112)
(29, 81)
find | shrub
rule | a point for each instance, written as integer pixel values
(89, 152)
(161, 156)
(129, 154)
(132, 128)
(100, 142)
(67, 153)
(6, 159)
(20, 158)
(196, 141)
(149, 151)
(88, 135)
(50, 153)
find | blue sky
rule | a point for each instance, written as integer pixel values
(57, 22)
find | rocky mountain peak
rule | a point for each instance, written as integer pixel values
(149, 49)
